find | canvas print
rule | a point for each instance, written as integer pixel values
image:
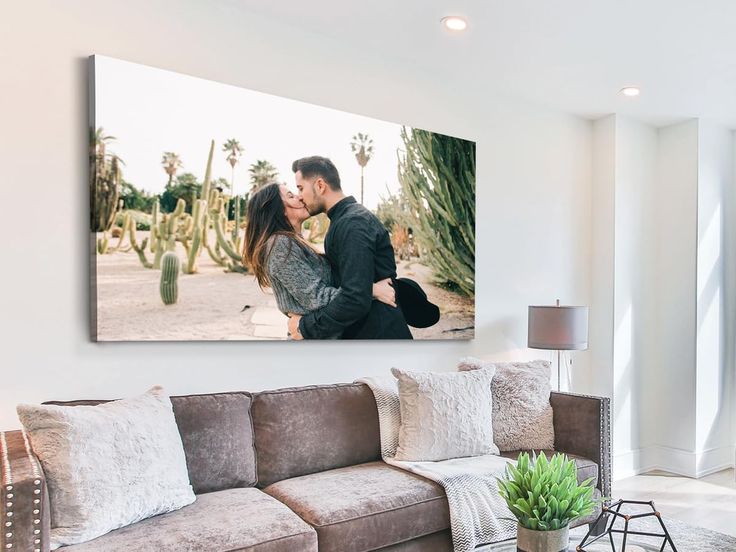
(221, 213)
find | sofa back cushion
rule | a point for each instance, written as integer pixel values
(217, 434)
(305, 430)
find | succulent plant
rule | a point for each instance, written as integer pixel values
(169, 285)
(437, 175)
(544, 495)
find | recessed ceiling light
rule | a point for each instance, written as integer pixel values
(630, 91)
(454, 23)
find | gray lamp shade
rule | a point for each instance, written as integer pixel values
(558, 328)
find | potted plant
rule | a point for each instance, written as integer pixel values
(544, 496)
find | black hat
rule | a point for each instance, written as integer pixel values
(418, 311)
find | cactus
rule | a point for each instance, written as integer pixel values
(208, 173)
(172, 219)
(167, 232)
(141, 251)
(213, 253)
(437, 175)
(105, 182)
(126, 223)
(196, 229)
(169, 286)
(236, 226)
(154, 226)
(218, 221)
(102, 244)
(233, 260)
(189, 230)
(197, 233)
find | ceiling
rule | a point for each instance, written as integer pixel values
(574, 55)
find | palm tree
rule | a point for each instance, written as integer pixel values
(261, 173)
(234, 151)
(98, 144)
(171, 163)
(362, 147)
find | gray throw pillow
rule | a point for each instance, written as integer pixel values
(108, 466)
(522, 414)
(444, 415)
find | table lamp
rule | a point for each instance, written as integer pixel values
(558, 328)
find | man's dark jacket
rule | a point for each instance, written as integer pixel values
(359, 250)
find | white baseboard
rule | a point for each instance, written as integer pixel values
(628, 464)
(673, 460)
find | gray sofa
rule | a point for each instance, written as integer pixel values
(290, 470)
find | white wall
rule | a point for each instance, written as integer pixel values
(715, 368)
(674, 374)
(533, 216)
(533, 226)
(603, 209)
(661, 292)
(634, 299)
(672, 369)
(730, 230)
(624, 299)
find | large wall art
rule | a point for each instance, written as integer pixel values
(221, 213)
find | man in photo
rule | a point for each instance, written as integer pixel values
(360, 252)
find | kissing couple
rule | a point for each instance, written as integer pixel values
(347, 293)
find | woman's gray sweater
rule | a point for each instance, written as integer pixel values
(301, 280)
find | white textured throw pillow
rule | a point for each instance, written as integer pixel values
(522, 414)
(444, 415)
(108, 465)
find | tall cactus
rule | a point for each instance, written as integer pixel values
(208, 173)
(169, 285)
(166, 232)
(437, 175)
(105, 182)
(198, 230)
(154, 225)
(236, 226)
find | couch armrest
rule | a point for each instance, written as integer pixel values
(583, 427)
(26, 520)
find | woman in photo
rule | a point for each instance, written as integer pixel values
(274, 249)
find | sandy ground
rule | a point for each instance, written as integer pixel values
(215, 305)
(457, 313)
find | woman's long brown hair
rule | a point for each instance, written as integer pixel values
(266, 217)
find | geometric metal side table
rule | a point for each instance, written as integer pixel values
(614, 510)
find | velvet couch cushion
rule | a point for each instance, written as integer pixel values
(232, 520)
(305, 430)
(586, 467)
(365, 507)
(217, 435)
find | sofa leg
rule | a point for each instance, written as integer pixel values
(599, 527)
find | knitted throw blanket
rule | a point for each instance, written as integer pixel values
(478, 514)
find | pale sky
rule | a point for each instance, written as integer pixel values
(150, 111)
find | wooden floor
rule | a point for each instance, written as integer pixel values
(707, 502)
